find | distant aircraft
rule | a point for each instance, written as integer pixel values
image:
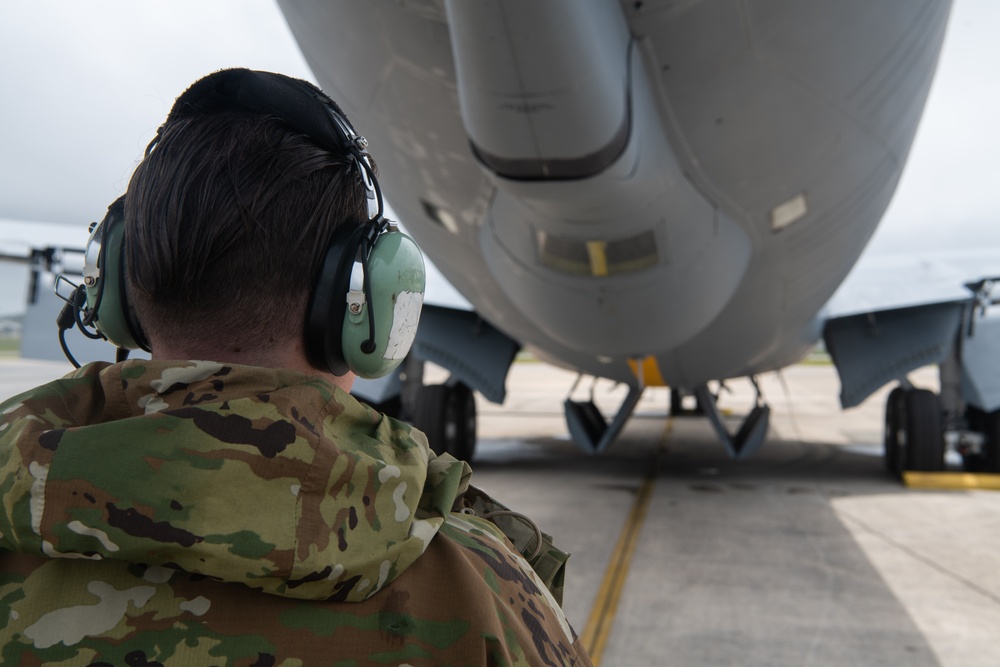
(659, 193)
(18, 238)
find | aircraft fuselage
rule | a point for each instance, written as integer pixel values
(682, 185)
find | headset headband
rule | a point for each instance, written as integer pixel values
(293, 100)
(299, 103)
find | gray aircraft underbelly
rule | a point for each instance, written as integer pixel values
(683, 182)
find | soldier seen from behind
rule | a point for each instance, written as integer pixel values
(228, 502)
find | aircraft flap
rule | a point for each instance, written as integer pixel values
(872, 349)
(471, 349)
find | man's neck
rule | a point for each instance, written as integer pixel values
(290, 356)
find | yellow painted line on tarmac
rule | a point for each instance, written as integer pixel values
(951, 480)
(602, 615)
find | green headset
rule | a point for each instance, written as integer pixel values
(365, 304)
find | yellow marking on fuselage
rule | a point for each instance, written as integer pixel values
(598, 257)
(650, 372)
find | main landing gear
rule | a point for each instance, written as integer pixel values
(982, 453)
(919, 429)
(446, 413)
(914, 434)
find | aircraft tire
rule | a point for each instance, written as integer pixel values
(465, 400)
(991, 451)
(447, 415)
(923, 448)
(988, 425)
(676, 401)
(677, 408)
(893, 412)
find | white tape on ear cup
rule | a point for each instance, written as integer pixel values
(405, 318)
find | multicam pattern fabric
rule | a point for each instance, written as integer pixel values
(195, 513)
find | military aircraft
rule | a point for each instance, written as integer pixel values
(658, 192)
(653, 192)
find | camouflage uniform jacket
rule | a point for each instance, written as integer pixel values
(195, 513)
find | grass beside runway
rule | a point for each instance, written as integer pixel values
(10, 346)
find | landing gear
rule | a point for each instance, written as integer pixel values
(991, 448)
(752, 431)
(893, 416)
(677, 407)
(923, 446)
(447, 415)
(985, 456)
(588, 427)
(914, 432)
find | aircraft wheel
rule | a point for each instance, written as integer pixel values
(893, 412)
(989, 460)
(677, 408)
(676, 402)
(447, 415)
(922, 435)
(979, 422)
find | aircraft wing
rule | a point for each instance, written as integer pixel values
(891, 281)
(19, 237)
(897, 313)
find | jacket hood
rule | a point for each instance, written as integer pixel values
(273, 479)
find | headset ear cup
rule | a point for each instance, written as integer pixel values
(107, 294)
(397, 280)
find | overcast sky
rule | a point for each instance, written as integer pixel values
(85, 84)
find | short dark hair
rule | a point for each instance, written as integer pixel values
(227, 222)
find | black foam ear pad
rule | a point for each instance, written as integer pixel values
(328, 302)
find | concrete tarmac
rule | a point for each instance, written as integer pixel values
(807, 554)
